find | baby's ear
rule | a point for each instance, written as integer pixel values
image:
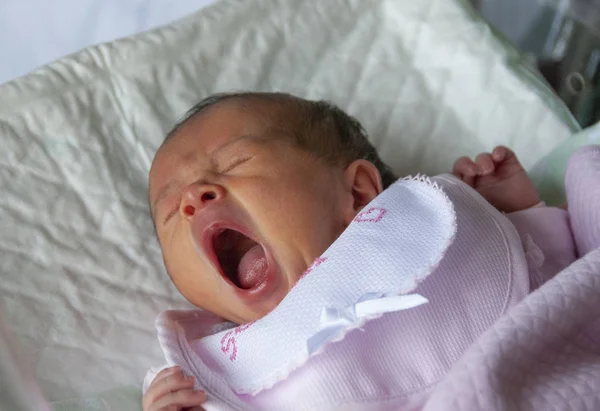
(364, 181)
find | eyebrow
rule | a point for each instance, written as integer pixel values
(171, 186)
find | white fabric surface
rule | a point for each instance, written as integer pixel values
(82, 276)
(35, 32)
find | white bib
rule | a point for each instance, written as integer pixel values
(393, 244)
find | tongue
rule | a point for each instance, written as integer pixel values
(252, 268)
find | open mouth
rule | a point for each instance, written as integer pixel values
(243, 260)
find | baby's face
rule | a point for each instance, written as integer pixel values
(241, 212)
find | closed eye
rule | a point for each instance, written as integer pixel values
(235, 164)
(171, 214)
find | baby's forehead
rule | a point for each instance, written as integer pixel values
(210, 137)
(229, 120)
(224, 124)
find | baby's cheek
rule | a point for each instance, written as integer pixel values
(182, 261)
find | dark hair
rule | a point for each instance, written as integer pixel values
(318, 127)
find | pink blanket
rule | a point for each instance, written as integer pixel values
(544, 354)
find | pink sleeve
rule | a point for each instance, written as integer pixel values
(547, 241)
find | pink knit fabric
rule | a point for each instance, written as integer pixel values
(412, 360)
(547, 240)
(583, 194)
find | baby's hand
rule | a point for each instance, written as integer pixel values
(172, 391)
(499, 178)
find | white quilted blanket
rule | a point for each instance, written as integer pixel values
(82, 276)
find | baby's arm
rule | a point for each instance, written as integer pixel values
(172, 391)
(500, 178)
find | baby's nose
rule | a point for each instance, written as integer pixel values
(197, 196)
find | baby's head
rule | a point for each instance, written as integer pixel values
(249, 189)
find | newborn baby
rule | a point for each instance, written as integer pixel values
(250, 188)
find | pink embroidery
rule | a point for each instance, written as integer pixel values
(228, 342)
(372, 215)
(231, 345)
(314, 265)
(240, 329)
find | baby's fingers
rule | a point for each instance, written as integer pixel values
(499, 153)
(485, 164)
(166, 384)
(177, 400)
(465, 169)
(502, 153)
(165, 372)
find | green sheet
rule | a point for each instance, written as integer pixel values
(127, 398)
(549, 174)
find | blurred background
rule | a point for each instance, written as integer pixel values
(560, 37)
(36, 32)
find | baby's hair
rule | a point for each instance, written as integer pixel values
(318, 127)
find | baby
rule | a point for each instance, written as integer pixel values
(250, 188)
